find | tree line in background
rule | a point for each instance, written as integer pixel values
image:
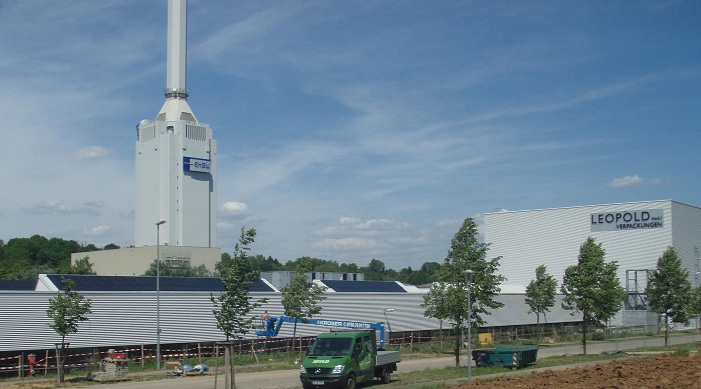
(26, 258)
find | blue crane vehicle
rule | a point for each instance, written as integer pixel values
(272, 326)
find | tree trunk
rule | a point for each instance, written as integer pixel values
(545, 321)
(229, 374)
(666, 329)
(60, 363)
(440, 336)
(457, 351)
(294, 336)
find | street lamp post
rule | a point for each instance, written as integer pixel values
(158, 292)
(468, 281)
(696, 286)
(389, 327)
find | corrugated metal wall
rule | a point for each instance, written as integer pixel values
(686, 237)
(129, 318)
(527, 239)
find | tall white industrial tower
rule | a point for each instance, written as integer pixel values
(176, 159)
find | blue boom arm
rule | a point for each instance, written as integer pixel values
(273, 324)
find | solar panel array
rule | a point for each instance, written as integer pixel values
(85, 283)
(364, 286)
(18, 284)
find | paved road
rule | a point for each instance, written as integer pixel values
(290, 378)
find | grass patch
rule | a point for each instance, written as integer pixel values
(243, 363)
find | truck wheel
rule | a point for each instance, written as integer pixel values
(350, 382)
(386, 375)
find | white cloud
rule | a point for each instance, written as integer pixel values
(347, 243)
(349, 220)
(234, 208)
(625, 181)
(92, 152)
(224, 225)
(99, 231)
(60, 207)
(357, 240)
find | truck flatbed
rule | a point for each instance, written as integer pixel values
(387, 357)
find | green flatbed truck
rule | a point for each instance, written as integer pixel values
(343, 359)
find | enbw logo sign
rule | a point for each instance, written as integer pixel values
(197, 165)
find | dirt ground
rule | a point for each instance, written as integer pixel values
(664, 372)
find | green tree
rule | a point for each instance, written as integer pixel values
(592, 288)
(669, 291)
(349, 268)
(83, 266)
(67, 310)
(414, 277)
(430, 267)
(261, 263)
(448, 299)
(540, 294)
(224, 263)
(182, 270)
(233, 306)
(25, 258)
(374, 271)
(301, 297)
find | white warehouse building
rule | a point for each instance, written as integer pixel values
(634, 234)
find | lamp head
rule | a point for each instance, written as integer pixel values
(162, 221)
(468, 275)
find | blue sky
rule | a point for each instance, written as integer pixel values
(352, 130)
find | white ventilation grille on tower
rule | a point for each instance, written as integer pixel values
(196, 132)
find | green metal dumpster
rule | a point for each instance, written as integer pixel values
(514, 357)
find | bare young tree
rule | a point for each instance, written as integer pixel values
(67, 310)
(301, 297)
(233, 306)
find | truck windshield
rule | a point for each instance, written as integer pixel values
(330, 347)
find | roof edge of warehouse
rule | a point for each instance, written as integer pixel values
(501, 210)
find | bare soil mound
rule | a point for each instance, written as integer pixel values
(664, 372)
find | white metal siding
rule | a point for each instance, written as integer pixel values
(129, 318)
(686, 237)
(527, 239)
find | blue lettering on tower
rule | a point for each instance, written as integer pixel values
(197, 165)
